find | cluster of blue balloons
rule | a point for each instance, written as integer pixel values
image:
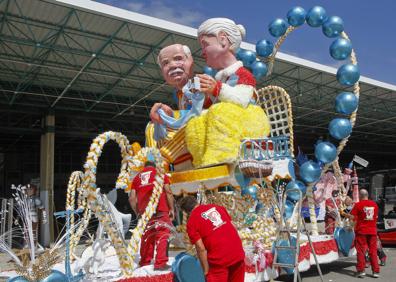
(332, 27)
(339, 128)
(347, 75)
(346, 102)
(259, 69)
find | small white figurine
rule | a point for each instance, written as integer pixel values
(36, 209)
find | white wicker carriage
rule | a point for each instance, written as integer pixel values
(256, 155)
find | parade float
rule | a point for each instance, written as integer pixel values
(252, 188)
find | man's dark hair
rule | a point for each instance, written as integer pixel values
(33, 186)
(149, 163)
(187, 203)
(335, 193)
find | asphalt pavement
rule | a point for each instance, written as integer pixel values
(340, 270)
(344, 270)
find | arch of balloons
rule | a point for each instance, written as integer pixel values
(346, 104)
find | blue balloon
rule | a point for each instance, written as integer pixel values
(264, 48)
(316, 16)
(333, 26)
(296, 16)
(289, 208)
(209, 71)
(250, 190)
(310, 171)
(247, 57)
(187, 268)
(242, 180)
(259, 69)
(277, 27)
(340, 49)
(346, 103)
(340, 128)
(348, 74)
(294, 195)
(325, 152)
(344, 238)
(55, 276)
(238, 53)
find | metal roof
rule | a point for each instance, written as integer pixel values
(95, 66)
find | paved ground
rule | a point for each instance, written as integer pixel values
(341, 270)
(344, 270)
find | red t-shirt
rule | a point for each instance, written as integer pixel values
(143, 184)
(212, 224)
(365, 214)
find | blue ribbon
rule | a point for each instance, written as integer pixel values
(197, 101)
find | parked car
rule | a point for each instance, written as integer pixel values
(387, 234)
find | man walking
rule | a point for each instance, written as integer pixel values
(216, 240)
(365, 214)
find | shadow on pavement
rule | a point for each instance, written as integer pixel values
(337, 266)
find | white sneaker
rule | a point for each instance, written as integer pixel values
(360, 274)
(375, 275)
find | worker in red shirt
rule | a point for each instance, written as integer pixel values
(216, 240)
(157, 237)
(365, 214)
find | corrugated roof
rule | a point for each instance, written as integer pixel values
(84, 56)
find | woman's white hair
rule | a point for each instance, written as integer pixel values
(186, 50)
(235, 32)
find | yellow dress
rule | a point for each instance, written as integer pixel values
(215, 136)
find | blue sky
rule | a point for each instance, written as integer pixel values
(370, 25)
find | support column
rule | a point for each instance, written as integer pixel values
(47, 146)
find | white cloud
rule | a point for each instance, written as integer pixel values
(164, 11)
(135, 6)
